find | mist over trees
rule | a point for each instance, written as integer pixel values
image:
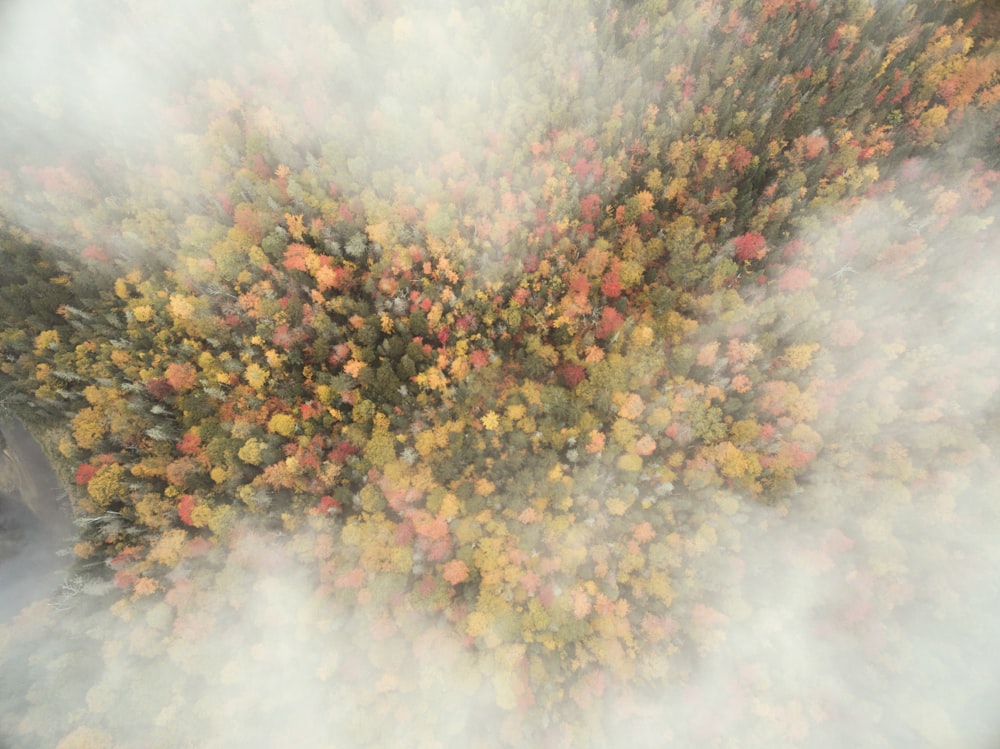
(592, 371)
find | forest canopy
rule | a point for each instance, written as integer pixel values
(498, 331)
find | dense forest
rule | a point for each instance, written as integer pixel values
(414, 368)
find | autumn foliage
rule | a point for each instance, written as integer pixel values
(475, 389)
